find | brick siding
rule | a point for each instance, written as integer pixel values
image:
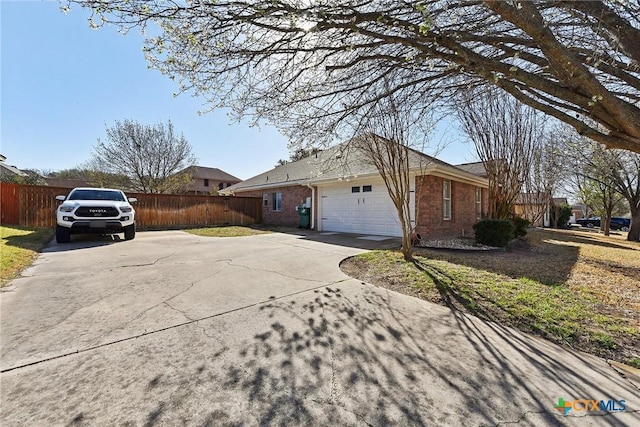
(429, 205)
(292, 196)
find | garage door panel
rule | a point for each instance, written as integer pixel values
(364, 212)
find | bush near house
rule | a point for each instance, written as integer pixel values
(494, 232)
(519, 226)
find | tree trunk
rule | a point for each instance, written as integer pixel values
(634, 231)
(407, 248)
(407, 233)
(556, 216)
(605, 223)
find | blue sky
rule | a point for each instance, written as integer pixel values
(62, 82)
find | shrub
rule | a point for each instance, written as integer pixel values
(494, 232)
(565, 214)
(519, 226)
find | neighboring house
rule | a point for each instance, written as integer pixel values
(539, 208)
(209, 180)
(9, 172)
(476, 168)
(347, 194)
(579, 211)
(534, 207)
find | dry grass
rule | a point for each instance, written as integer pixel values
(18, 247)
(579, 289)
(227, 231)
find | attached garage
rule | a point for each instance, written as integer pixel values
(362, 207)
(347, 194)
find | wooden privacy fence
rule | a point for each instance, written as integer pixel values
(34, 206)
(9, 203)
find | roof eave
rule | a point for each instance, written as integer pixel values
(264, 186)
(460, 175)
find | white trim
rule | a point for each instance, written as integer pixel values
(462, 176)
(233, 191)
(446, 199)
(313, 206)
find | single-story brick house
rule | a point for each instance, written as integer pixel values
(347, 194)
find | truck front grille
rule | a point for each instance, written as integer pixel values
(97, 211)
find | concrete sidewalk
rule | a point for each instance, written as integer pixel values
(174, 329)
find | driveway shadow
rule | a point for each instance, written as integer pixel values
(363, 359)
(83, 241)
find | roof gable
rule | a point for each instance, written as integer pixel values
(476, 168)
(213, 174)
(342, 161)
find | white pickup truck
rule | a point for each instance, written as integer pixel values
(95, 210)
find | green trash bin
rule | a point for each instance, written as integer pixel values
(304, 213)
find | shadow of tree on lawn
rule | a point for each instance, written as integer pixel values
(547, 262)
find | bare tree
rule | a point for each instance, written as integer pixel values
(150, 157)
(537, 190)
(313, 64)
(617, 170)
(506, 134)
(602, 198)
(626, 177)
(386, 143)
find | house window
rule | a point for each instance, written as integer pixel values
(366, 189)
(206, 182)
(276, 201)
(229, 184)
(478, 202)
(265, 200)
(220, 186)
(446, 199)
(355, 189)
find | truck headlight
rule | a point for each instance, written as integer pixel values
(125, 209)
(64, 208)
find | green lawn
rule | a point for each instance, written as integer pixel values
(227, 231)
(18, 249)
(577, 290)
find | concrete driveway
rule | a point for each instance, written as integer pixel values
(175, 329)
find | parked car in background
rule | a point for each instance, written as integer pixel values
(622, 224)
(616, 223)
(591, 222)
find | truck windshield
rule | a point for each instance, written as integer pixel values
(96, 195)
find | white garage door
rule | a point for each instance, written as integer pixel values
(364, 208)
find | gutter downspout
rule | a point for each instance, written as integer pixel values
(313, 206)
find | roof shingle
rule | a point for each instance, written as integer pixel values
(338, 162)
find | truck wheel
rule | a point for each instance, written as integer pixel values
(625, 228)
(130, 232)
(62, 234)
(589, 225)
